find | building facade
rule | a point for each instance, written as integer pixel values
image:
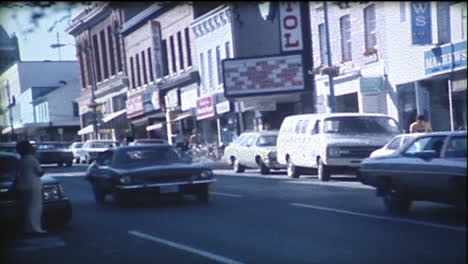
(39, 105)
(101, 55)
(9, 50)
(382, 65)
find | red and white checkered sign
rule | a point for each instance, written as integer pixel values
(263, 75)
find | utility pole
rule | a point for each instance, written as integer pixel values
(331, 98)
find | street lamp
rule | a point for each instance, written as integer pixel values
(89, 61)
(331, 98)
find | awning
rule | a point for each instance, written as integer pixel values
(182, 116)
(86, 130)
(111, 116)
(155, 126)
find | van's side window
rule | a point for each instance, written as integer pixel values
(316, 129)
(305, 124)
(298, 127)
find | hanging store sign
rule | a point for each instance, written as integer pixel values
(172, 99)
(223, 107)
(372, 85)
(421, 27)
(205, 107)
(155, 99)
(290, 26)
(135, 105)
(188, 97)
(447, 57)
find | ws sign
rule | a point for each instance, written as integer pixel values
(421, 22)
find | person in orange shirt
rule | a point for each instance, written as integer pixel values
(420, 125)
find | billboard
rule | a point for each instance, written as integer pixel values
(263, 75)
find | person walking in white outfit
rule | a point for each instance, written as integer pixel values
(30, 186)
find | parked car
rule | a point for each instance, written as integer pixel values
(125, 172)
(8, 146)
(332, 143)
(253, 150)
(394, 145)
(75, 148)
(146, 141)
(57, 208)
(91, 148)
(50, 152)
(432, 167)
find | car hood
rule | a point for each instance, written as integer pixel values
(359, 139)
(173, 167)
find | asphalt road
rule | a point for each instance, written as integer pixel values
(250, 219)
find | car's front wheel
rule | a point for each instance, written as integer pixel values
(99, 195)
(323, 171)
(204, 193)
(395, 202)
(291, 169)
(237, 167)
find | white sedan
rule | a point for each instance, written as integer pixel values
(394, 145)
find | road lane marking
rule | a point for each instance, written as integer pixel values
(394, 219)
(227, 194)
(203, 253)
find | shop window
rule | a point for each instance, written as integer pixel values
(370, 31)
(345, 26)
(187, 47)
(110, 41)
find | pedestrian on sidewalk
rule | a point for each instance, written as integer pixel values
(30, 186)
(420, 125)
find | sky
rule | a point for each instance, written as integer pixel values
(35, 40)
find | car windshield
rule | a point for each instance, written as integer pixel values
(359, 125)
(137, 157)
(267, 141)
(8, 167)
(109, 144)
(76, 145)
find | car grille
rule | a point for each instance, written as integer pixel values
(357, 152)
(162, 178)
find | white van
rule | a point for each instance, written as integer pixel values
(332, 143)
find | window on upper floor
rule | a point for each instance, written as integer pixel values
(97, 61)
(165, 60)
(105, 64)
(370, 31)
(210, 67)
(143, 64)
(87, 60)
(228, 49)
(202, 72)
(402, 11)
(345, 28)
(443, 21)
(150, 65)
(132, 73)
(76, 111)
(187, 47)
(110, 41)
(81, 61)
(173, 58)
(117, 49)
(181, 51)
(463, 22)
(323, 44)
(218, 64)
(138, 70)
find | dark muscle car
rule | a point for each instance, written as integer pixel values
(125, 172)
(53, 152)
(57, 209)
(431, 167)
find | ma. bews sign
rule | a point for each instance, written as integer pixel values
(447, 57)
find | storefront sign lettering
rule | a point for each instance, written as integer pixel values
(290, 26)
(135, 105)
(421, 22)
(205, 107)
(446, 57)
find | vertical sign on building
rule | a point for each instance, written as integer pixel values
(157, 48)
(290, 26)
(421, 22)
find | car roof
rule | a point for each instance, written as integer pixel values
(445, 133)
(261, 133)
(344, 114)
(135, 147)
